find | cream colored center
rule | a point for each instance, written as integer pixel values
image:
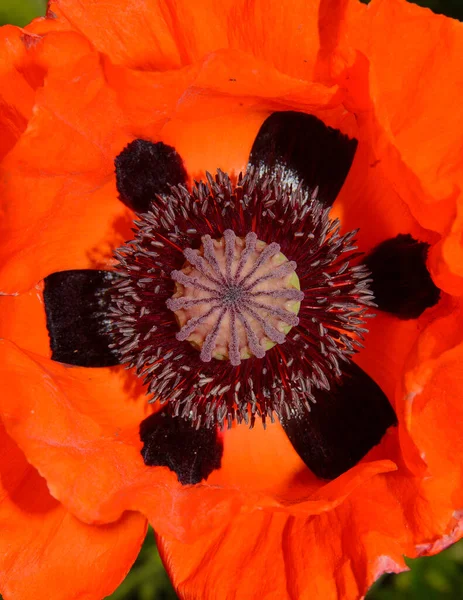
(235, 297)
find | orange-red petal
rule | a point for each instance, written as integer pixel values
(43, 547)
(17, 93)
(147, 34)
(153, 35)
(23, 321)
(86, 445)
(79, 427)
(217, 120)
(415, 83)
(286, 39)
(334, 555)
(58, 198)
(89, 450)
(432, 402)
(407, 81)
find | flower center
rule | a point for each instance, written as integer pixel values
(235, 297)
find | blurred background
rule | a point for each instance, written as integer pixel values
(437, 578)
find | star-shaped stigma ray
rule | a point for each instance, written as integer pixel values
(211, 275)
(235, 298)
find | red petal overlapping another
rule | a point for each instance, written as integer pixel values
(84, 82)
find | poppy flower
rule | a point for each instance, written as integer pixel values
(219, 199)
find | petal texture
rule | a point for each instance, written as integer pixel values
(45, 550)
(90, 455)
(65, 177)
(415, 81)
(17, 93)
(347, 548)
(88, 449)
(407, 81)
(162, 34)
(203, 80)
(149, 34)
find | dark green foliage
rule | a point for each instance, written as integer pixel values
(21, 12)
(436, 578)
(147, 580)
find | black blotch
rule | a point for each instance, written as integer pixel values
(76, 306)
(343, 425)
(144, 169)
(173, 442)
(318, 155)
(401, 282)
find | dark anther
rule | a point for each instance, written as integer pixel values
(76, 310)
(144, 169)
(173, 442)
(401, 283)
(343, 425)
(316, 154)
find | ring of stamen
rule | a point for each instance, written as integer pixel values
(332, 316)
(235, 297)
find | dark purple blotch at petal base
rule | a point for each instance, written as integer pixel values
(343, 425)
(401, 282)
(173, 442)
(76, 306)
(144, 169)
(316, 154)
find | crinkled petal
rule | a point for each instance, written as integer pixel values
(432, 405)
(416, 82)
(149, 34)
(369, 200)
(446, 257)
(58, 198)
(45, 551)
(217, 120)
(345, 549)
(17, 93)
(407, 82)
(287, 39)
(79, 428)
(153, 35)
(20, 78)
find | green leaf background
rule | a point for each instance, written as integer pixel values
(21, 12)
(436, 578)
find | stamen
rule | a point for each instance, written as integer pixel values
(185, 277)
(244, 326)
